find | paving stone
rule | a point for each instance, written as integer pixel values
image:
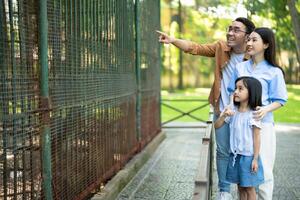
(170, 173)
(180, 191)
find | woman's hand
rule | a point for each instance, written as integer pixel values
(165, 38)
(260, 112)
(254, 165)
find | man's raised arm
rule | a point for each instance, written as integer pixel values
(166, 39)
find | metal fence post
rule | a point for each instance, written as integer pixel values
(161, 67)
(45, 103)
(138, 71)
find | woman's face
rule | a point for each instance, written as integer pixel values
(255, 45)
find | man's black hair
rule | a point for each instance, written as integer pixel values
(248, 23)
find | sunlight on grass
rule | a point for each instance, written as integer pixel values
(289, 113)
(200, 94)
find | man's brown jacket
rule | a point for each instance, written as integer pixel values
(221, 52)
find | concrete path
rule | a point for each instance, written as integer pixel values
(170, 173)
(287, 164)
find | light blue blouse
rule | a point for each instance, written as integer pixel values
(271, 79)
(241, 132)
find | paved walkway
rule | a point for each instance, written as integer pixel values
(287, 164)
(170, 173)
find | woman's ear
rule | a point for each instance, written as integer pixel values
(266, 45)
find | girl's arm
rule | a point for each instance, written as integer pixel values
(256, 141)
(256, 148)
(220, 121)
(262, 111)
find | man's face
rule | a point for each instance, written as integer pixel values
(236, 34)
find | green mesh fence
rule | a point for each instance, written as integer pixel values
(20, 148)
(98, 97)
(150, 67)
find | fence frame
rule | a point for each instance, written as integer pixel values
(45, 102)
(204, 177)
(43, 95)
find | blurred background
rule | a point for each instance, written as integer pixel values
(205, 21)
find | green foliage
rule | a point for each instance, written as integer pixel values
(202, 24)
(199, 27)
(276, 12)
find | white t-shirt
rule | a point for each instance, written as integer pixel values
(226, 76)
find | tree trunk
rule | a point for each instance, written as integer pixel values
(296, 25)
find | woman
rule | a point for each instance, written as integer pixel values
(263, 66)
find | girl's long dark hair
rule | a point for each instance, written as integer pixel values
(254, 91)
(268, 37)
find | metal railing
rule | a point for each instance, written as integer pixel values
(183, 113)
(204, 177)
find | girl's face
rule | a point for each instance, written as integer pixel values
(241, 92)
(255, 45)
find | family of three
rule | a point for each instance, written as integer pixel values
(248, 86)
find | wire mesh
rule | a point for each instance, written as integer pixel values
(93, 93)
(150, 68)
(20, 164)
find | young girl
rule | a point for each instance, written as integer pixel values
(263, 66)
(245, 167)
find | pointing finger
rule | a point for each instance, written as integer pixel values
(161, 33)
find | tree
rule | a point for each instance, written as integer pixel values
(296, 24)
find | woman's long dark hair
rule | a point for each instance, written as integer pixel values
(268, 37)
(254, 91)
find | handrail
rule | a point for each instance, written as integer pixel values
(183, 113)
(203, 180)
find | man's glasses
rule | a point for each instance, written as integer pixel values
(234, 29)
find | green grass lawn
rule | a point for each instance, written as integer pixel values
(201, 93)
(290, 113)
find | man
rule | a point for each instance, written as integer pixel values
(227, 55)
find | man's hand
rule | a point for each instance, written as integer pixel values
(165, 38)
